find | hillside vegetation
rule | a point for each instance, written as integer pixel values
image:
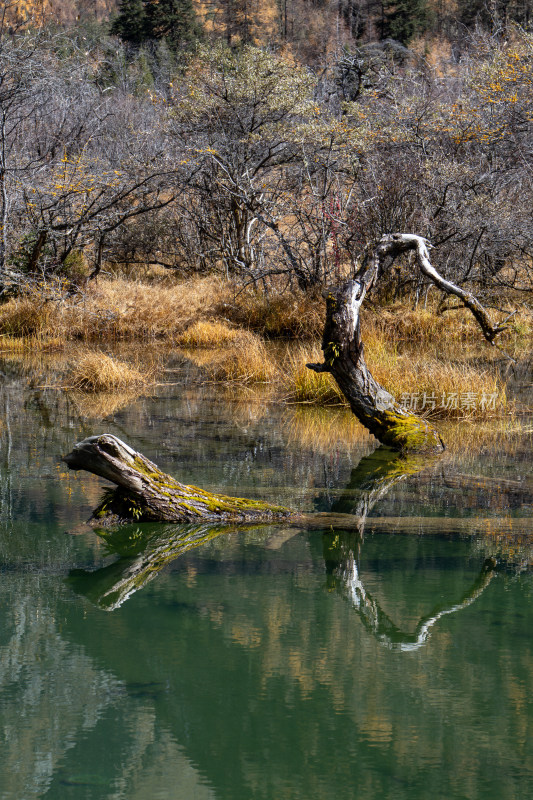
(262, 149)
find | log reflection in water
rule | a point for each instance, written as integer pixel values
(143, 552)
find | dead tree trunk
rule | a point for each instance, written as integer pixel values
(343, 349)
(145, 494)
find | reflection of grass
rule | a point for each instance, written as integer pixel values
(512, 549)
(506, 435)
(99, 405)
(324, 429)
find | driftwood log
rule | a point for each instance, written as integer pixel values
(146, 494)
(343, 348)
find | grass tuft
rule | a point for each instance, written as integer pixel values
(98, 372)
(245, 360)
(303, 385)
(208, 334)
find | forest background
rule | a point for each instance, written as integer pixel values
(199, 172)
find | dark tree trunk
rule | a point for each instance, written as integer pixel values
(343, 349)
(373, 406)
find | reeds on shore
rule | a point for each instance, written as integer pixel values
(437, 364)
(112, 311)
(246, 359)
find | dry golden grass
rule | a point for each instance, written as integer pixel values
(426, 385)
(441, 389)
(98, 372)
(454, 334)
(417, 355)
(10, 344)
(303, 385)
(245, 360)
(122, 309)
(287, 315)
(114, 310)
(28, 317)
(403, 325)
(208, 334)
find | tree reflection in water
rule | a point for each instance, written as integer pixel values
(144, 550)
(344, 576)
(373, 477)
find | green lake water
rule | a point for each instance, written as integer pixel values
(276, 662)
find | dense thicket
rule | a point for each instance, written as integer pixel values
(243, 161)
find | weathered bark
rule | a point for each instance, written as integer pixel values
(145, 494)
(373, 406)
(396, 243)
(343, 349)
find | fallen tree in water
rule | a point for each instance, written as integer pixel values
(391, 423)
(146, 494)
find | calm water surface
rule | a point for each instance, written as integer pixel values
(274, 662)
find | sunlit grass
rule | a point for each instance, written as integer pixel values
(11, 344)
(245, 360)
(98, 372)
(208, 334)
(426, 385)
(301, 384)
(113, 310)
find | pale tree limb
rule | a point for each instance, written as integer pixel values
(394, 244)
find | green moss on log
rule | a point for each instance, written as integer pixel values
(407, 433)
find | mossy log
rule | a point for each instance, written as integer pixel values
(146, 494)
(391, 423)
